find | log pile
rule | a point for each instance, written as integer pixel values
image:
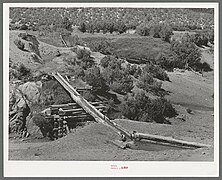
(66, 116)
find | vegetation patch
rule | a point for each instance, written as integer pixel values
(141, 108)
(139, 48)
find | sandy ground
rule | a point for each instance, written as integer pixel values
(93, 141)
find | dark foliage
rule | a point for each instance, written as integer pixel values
(149, 84)
(116, 76)
(19, 44)
(141, 108)
(101, 45)
(94, 78)
(156, 72)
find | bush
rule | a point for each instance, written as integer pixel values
(82, 27)
(133, 70)
(141, 108)
(24, 73)
(23, 27)
(143, 30)
(165, 32)
(166, 61)
(110, 61)
(120, 27)
(76, 71)
(102, 45)
(200, 39)
(83, 53)
(156, 72)
(185, 54)
(123, 86)
(94, 78)
(147, 83)
(23, 36)
(86, 59)
(19, 44)
(116, 76)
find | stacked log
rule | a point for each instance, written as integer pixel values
(65, 115)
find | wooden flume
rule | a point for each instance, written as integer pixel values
(93, 111)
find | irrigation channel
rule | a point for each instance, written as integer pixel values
(134, 140)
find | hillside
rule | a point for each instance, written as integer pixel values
(92, 141)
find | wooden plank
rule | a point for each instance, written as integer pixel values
(75, 104)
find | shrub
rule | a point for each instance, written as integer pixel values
(23, 36)
(133, 70)
(143, 30)
(94, 78)
(110, 61)
(147, 83)
(85, 57)
(200, 39)
(116, 76)
(141, 108)
(119, 26)
(123, 86)
(82, 27)
(76, 71)
(24, 73)
(156, 72)
(166, 61)
(102, 45)
(23, 27)
(19, 44)
(165, 32)
(185, 54)
(83, 53)
(162, 30)
(74, 40)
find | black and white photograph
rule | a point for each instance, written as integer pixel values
(119, 84)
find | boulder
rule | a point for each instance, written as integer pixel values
(31, 90)
(33, 129)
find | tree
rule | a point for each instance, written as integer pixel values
(82, 27)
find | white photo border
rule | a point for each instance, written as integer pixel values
(103, 168)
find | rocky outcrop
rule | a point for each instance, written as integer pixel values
(22, 97)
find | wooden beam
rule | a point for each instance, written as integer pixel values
(169, 140)
(75, 104)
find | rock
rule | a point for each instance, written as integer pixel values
(189, 111)
(33, 129)
(31, 90)
(181, 117)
